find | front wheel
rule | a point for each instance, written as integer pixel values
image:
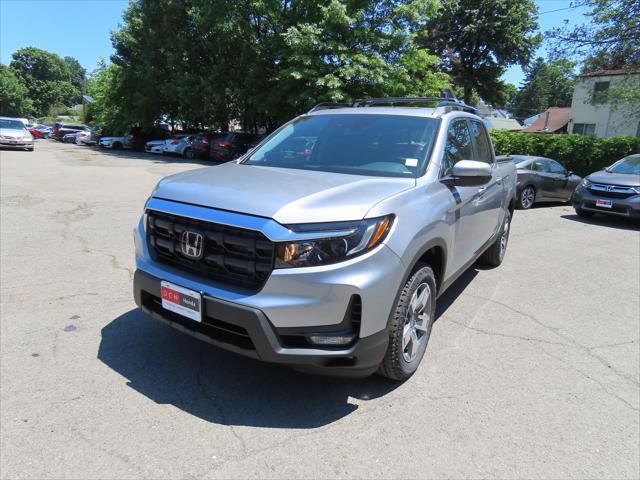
(410, 326)
(527, 198)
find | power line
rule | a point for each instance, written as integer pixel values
(564, 8)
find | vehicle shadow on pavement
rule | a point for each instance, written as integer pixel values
(606, 221)
(170, 367)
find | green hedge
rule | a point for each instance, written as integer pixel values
(582, 154)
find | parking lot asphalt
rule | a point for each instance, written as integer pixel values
(532, 370)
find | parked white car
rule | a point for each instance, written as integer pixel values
(85, 137)
(155, 146)
(115, 143)
(178, 145)
(13, 134)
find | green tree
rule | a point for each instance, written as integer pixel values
(46, 77)
(106, 110)
(14, 99)
(77, 72)
(546, 84)
(266, 60)
(478, 41)
(611, 40)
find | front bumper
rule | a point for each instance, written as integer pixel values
(16, 143)
(249, 332)
(585, 199)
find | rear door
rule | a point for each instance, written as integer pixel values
(561, 189)
(545, 181)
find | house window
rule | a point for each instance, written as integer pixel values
(584, 129)
(600, 92)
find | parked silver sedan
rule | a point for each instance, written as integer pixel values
(178, 145)
(542, 179)
(13, 134)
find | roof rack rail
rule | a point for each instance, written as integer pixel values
(442, 102)
(329, 105)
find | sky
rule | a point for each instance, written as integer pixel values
(82, 28)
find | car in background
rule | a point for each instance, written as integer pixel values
(13, 134)
(228, 146)
(61, 129)
(115, 143)
(70, 137)
(200, 145)
(179, 145)
(34, 131)
(88, 137)
(612, 191)
(137, 137)
(155, 146)
(542, 179)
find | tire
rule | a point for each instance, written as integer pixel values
(188, 153)
(116, 146)
(409, 331)
(527, 198)
(494, 255)
(583, 213)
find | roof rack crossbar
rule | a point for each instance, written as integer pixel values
(442, 102)
(329, 105)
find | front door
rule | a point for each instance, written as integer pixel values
(468, 203)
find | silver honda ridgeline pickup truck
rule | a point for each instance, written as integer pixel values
(326, 247)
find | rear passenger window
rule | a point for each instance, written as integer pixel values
(539, 166)
(458, 146)
(481, 140)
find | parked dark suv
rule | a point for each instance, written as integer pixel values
(61, 129)
(229, 146)
(136, 137)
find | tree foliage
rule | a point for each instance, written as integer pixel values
(546, 84)
(14, 96)
(264, 61)
(46, 77)
(78, 74)
(611, 39)
(478, 41)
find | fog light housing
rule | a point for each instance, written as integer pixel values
(331, 340)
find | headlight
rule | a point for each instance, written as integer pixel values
(586, 183)
(360, 237)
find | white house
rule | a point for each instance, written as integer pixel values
(593, 114)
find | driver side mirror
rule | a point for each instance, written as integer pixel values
(469, 173)
(568, 173)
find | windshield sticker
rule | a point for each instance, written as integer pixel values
(411, 162)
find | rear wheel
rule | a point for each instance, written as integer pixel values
(189, 153)
(494, 255)
(527, 198)
(410, 325)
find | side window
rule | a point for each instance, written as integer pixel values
(539, 166)
(555, 167)
(481, 140)
(458, 146)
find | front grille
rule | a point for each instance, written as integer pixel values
(612, 191)
(231, 256)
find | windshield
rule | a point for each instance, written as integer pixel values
(630, 165)
(12, 124)
(359, 144)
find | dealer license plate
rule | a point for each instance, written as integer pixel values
(604, 203)
(182, 301)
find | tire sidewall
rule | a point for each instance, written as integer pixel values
(522, 206)
(421, 275)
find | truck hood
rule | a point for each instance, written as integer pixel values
(286, 195)
(626, 179)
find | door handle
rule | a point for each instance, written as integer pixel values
(482, 189)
